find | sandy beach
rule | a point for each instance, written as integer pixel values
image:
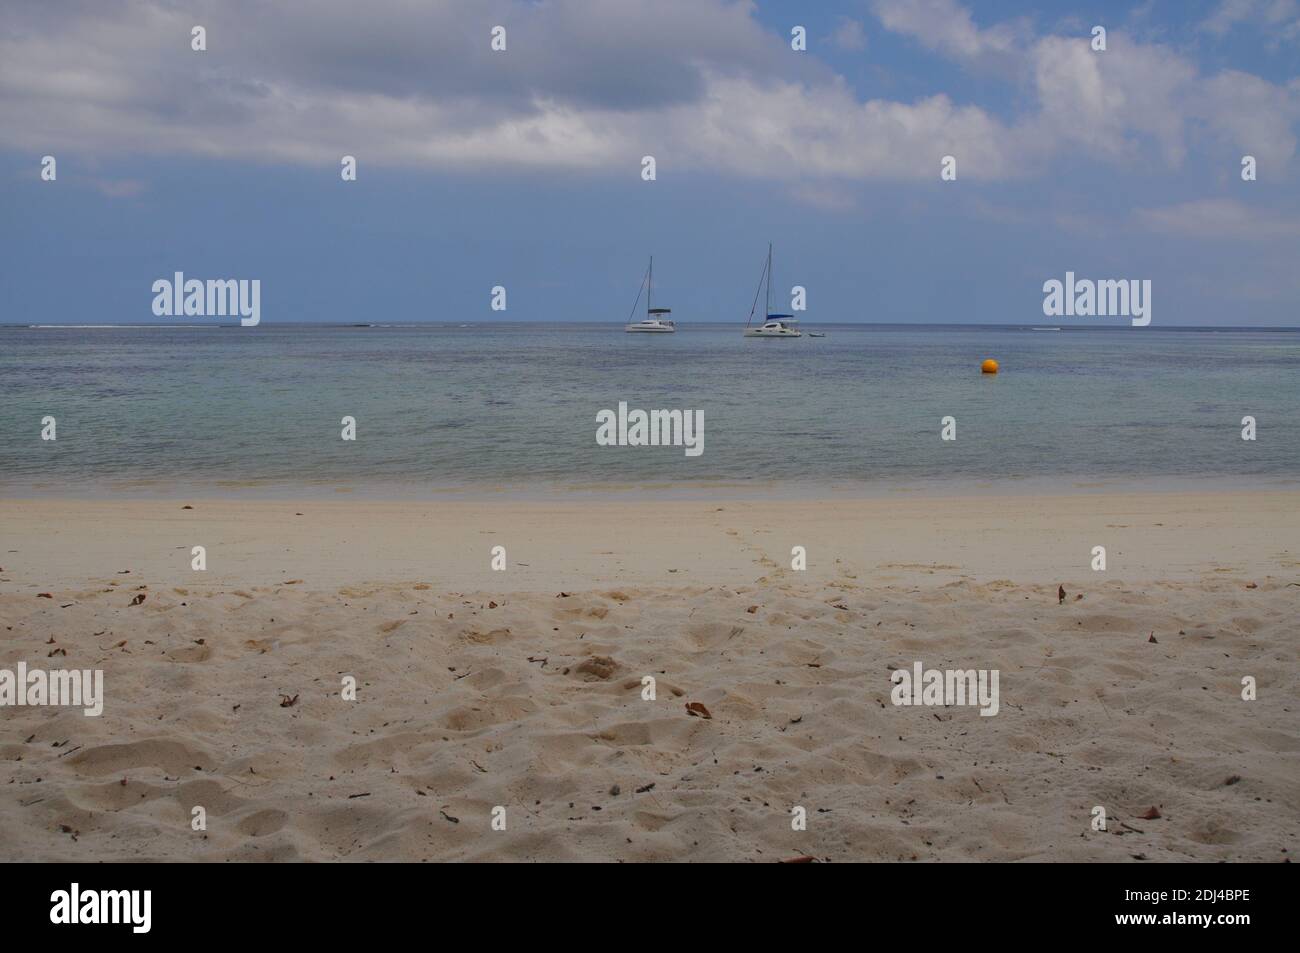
(523, 689)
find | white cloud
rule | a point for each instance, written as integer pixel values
(583, 84)
(118, 188)
(850, 36)
(1282, 17)
(592, 86)
(827, 132)
(828, 198)
(1251, 117)
(945, 26)
(1219, 219)
(1111, 105)
(1108, 103)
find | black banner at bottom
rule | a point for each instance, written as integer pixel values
(330, 902)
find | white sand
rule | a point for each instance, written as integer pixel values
(535, 704)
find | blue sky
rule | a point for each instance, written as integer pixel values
(522, 168)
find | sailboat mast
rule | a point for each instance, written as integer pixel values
(650, 280)
(769, 281)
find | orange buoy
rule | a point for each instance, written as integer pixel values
(989, 366)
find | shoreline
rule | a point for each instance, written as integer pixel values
(592, 543)
(632, 491)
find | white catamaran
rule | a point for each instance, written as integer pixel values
(776, 325)
(655, 321)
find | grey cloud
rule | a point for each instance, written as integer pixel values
(587, 84)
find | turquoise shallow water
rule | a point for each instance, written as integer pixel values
(144, 410)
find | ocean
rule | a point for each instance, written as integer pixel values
(499, 408)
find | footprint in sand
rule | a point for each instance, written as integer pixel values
(263, 822)
(172, 757)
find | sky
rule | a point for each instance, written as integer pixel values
(523, 168)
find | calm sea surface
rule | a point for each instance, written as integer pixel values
(439, 408)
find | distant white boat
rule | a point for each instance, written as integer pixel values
(655, 321)
(817, 334)
(1044, 329)
(775, 325)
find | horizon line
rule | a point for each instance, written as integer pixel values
(619, 323)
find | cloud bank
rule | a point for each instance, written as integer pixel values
(592, 86)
